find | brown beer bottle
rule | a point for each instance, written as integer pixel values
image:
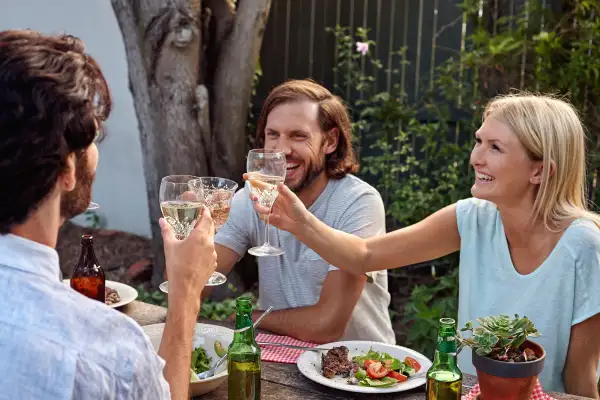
(88, 277)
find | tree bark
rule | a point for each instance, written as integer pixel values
(172, 59)
(234, 86)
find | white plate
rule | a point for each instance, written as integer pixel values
(205, 335)
(309, 364)
(126, 293)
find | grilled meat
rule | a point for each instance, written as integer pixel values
(111, 296)
(336, 362)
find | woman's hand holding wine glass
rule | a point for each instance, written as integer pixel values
(288, 213)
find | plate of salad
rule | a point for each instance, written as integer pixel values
(365, 367)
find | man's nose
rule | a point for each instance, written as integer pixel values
(284, 145)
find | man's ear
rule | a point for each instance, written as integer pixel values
(538, 172)
(331, 141)
(67, 179)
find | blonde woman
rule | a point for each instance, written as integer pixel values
(528, 244)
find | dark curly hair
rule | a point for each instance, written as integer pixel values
(53, 102)
(332, 114)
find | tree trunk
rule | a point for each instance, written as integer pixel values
(191, 65)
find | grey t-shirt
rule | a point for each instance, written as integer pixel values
(296, 278)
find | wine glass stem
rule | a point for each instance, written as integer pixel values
(267, 244)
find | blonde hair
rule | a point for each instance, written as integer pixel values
(550, 130)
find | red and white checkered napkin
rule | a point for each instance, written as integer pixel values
(537, 394)
(278, 353)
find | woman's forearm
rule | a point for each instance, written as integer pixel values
(340, 249)
(434, 237)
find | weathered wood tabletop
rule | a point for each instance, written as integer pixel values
(284, 381)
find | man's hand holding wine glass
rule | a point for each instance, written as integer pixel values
(191, 261)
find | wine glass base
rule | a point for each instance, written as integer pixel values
(266, 251)
(215, 279)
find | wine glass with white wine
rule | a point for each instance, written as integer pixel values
(181, 205)
(266, 170)
(217, 193)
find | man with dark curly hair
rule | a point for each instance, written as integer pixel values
(54, 342)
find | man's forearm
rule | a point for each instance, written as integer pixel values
(309, 324)
(176, 344)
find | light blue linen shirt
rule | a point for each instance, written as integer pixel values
(57, 344)
(563, 291)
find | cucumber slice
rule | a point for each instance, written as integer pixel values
(219, 349)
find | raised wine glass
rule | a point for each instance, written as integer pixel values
(266, 169)
(181, 205)
(217, 194)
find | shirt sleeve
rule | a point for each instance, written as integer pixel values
(148, 381)
(365, 218)
(587, 274)
(234, 234)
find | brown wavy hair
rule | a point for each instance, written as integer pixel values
(53, 101)
(333, 114)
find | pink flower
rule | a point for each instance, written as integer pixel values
(362, 47)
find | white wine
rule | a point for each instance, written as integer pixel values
(265, 187)
(181, 215)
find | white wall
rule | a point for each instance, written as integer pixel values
(120, 187)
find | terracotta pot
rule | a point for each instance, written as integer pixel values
(499, 380)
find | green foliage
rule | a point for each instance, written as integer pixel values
(251, 120)
(416, 172)
(210, 309)
(417, 153)
(221, 310)
(497, 334)
(428, 304)
(155, 297)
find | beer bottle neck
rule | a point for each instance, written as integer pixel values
(87, 256)
(446, 350)
(243, 324)
(442, 358)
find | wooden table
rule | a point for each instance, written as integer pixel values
(284, 381)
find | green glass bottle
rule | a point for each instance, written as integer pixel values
(444, 379)
(243, 356)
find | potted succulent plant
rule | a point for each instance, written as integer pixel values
(507, 363)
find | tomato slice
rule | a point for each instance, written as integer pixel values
(397, 376)
(377, 370)
(413, 363)
(369, 362)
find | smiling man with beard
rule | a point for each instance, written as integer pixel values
(313, 300)
(56, 343)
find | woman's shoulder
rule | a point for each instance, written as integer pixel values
(475, 216)
(475, 207)
(582, 237)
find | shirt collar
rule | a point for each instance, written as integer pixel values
(29, 256)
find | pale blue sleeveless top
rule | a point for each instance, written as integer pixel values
(562, 292)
